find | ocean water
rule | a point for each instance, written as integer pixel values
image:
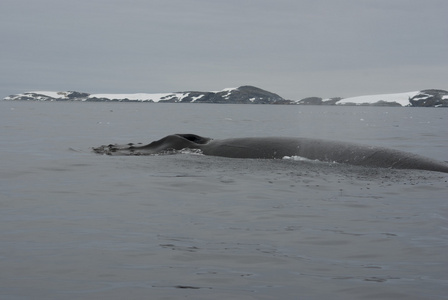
(78, 225)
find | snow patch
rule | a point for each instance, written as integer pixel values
(228, 90)
(138, 96)
(193, 99)
(52, 94)
(400, 98)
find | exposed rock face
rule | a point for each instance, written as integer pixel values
(430, 98)
(319, 101)
(242, 95)
(77, 95)
(311, 101)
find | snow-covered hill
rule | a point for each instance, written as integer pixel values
(240, 95)
(244, 95)
(399, 98)
(417, 98)
(424, 98)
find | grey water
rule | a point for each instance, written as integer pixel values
(78, 225)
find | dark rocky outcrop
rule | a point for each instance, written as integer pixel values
(310, 101)
(319, 101)
(430, 98)
(77, 95)
(242, 95)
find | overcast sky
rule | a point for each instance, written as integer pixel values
(295, 48)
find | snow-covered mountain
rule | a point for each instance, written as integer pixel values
(244, 95)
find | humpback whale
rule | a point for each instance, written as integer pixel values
(280, 147)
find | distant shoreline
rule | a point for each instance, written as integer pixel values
(244, 95)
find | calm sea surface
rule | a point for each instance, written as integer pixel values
(77, 225)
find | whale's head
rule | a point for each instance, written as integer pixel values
(168, 144)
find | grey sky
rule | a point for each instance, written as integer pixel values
(294, 48)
